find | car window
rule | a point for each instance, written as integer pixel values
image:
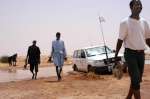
(78, 54)
(97, 51)
(75, 54)
(83, 54)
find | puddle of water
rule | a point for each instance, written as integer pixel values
(26, 74)
(7, 76)
(147, 61)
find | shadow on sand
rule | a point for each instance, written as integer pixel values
(52, 81)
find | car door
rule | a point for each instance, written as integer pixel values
(75, 57)
(78, 60)
(83, 61)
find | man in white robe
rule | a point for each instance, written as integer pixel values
(58, 53)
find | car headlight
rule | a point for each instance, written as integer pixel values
(98, 61)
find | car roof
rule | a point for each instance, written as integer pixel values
(90, 47)
(93, 46)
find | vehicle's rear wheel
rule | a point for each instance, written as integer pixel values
(75, 68)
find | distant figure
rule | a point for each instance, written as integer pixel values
(33, 58)
(58, 53)
(12, 61)
(135, 34)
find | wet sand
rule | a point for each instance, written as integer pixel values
(74, 86)
(19, 74)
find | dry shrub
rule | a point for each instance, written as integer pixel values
(118, 71)
(4, 59)
(87, 76)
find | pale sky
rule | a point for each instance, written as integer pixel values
(22, 21)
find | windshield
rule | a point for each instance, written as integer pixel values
(97, 51)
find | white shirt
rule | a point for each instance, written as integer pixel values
(134, 33)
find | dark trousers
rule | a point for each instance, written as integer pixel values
(34, 66)
(135, 62)
(58, 70)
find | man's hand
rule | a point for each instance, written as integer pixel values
(50, 59)
(65, 58)
(26, 61)
(116, 60)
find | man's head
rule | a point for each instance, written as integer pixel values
(58, 35)
(15, 54)
(34, 42)
(136, 7)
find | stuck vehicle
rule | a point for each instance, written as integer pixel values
(95, 59)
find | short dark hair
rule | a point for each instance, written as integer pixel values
(132, 3)
(58, 33)
(34, 41)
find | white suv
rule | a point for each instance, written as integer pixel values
(95, 59)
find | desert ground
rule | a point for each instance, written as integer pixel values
(74, 85)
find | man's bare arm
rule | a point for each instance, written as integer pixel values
(119, 44)
(148, 42)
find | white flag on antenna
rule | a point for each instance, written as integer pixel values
(101, 19)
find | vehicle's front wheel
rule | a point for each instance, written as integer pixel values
(75, 68)
(110, 72)
(91, 69)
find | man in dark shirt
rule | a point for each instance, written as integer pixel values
(33, 57)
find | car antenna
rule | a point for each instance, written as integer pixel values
(101, 19)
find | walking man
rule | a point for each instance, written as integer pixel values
(58, 53)
(135, 34)
(33, 57)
